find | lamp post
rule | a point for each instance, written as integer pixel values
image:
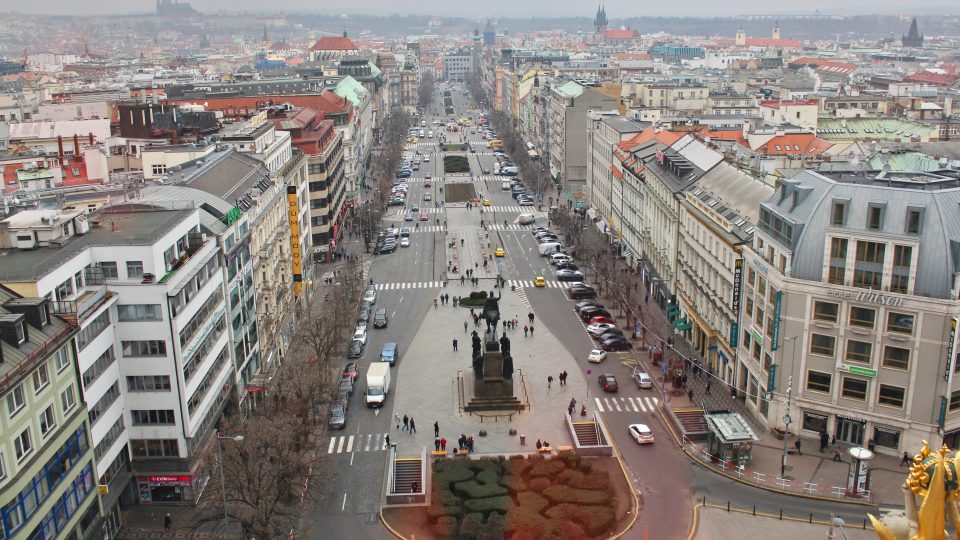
(787, 420)
(223, 486)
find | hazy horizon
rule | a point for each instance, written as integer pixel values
(616, 9)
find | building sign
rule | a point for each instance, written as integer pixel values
(296, 263)
(869, 296)
(772, 378)
(951, 355)
(734, 335)
(856, 370)
(757, 336)
(176, 480)
(737, 281)
(942, 417)
(233, 215)
(776, 320)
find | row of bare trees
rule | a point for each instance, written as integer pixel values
(265, 460)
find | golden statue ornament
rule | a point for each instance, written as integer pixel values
(933, 478)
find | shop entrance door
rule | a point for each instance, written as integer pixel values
(850, 431)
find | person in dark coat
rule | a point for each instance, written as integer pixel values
(824, 440)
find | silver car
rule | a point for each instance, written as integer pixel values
(370, 295)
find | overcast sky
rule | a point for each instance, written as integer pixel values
(502, 8)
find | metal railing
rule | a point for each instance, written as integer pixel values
(778, 513)
(770, 481)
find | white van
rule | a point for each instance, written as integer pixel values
(557, 258)
(505, 185)
(526, 219)
(549, 248)
(430, 134)
(509, 171)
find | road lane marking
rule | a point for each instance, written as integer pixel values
(350, 444)
(606, 401)
(633, 404)
(344, 505)
(616, 405)
(333, 441)
(369, 440)
(655, 400)
(599, 404)
(351, 457)
(340, 444)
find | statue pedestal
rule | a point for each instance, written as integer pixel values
(491, 392)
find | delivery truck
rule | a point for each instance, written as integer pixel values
(378, 384)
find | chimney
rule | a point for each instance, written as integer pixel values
(90, 134)
(60, 148)
(76, 145)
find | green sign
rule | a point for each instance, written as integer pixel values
(233, 215)
(772, 378)
(776, 321)
(866, 372)
(757, 335)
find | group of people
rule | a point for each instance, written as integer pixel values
(408, 423)
(465, 443)
(543, 444)
(445, 299)
(473, 280)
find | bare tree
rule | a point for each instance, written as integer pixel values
(426, 92)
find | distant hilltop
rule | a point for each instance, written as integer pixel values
(172, 7)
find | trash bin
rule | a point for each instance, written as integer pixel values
(523, 440)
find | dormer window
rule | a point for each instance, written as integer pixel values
(875, 217)
(21, 329)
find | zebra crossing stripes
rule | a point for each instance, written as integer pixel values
(409, 285)
(345, 444)
(435, 228)
(529, 283)
(493, 178)
(619, 404)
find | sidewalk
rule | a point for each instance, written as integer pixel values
(811, 473)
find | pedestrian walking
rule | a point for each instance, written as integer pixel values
(837, 456)
(531, 330)
(436, 428)
(573, 402)
(464, 326)
(443, 444)
(386, 441)
(462, 279)
(690, 394)
(167, 521)
(709, 380)
(530, 316)
(797, 444)
(413, 426)
(824, 439)
(397, 418)
(406, 423)
(436, 444)
(454, 344)
(549, 381)
(570, 410)
(526, 330)
(906, 459)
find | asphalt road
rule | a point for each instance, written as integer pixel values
(348, 488)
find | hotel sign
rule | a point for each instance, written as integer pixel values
(951, 355)
(869, 296)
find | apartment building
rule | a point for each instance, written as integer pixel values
(850, 306)
(669, 95)
(566, 111)
(47, 479)
(605, 187)
(357, 133)
(457, 64)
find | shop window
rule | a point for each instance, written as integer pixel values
(814, 422)
(886, 438)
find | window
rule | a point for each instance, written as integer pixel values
(134, 269)
(159, 169)
(862, 317)
(104, 361)
(822, 345)
(139, 312)
(838, 260)
(749, 310)
(859, 352)
(875, 217)
(23, 445)
(814, 422)
(67, 399)
(902, 259)
(142, 448)
(826, 311)
(751, 276)
(914, 218)
(148, 383)
(109, 269)
(15, 401)
(48, 421)
(157, 416)
(144, 348)
(93, 330)
(900, 323)
(868, 269)
(839, 213)
(3, 467)
(887, 438)
(61, 359)
(41, 378)
(21, 330)
(896, 358)
(955, 400)
(854, 388)
(818, 381)
(891, 396)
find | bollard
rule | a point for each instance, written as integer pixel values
(811, 517)
(523, 440)
(754, 510)
(781, 514)
(728, 506)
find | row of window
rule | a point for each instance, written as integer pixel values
(201, 391)
(154, 448)
(153, 417)
(98, 325)
(876, 212)
(148, 383)
(99, 365)
(110, 271)
(139, 312)
(863, 317)
(190, 289)
(150, 347)
(17, 398)
(196, 322)
(193, 359)
(861, 352)
(868, 265)
(856, 388)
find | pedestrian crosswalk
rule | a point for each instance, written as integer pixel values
(436, 228)
(529, 283)
(409, 285)
(620, 404)
(370, 442)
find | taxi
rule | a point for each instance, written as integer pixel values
(486, 202)
(500, 252)
(539, 281)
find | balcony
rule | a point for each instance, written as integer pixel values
(88, 300)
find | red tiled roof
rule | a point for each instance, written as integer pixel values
(806, 144)
(836, 67)
(727, 135)
(621, 34)
(334, 43)
(937, 79)
(616, 172)
(630, 56)
(769, 42)
(776, 103)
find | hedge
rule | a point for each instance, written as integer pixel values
(595, 519)
(473, 490)
(471, 526)
(567, 494)
(445, 527)
(513, 482)
(532, 502)
(576, 479)
(456, 164)
(547, 468)
(490, 504)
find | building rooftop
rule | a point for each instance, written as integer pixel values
(114, 227)
(18, 361)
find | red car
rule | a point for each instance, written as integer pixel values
(608, 382)
(352, 370)
(602, 319)
(426, 183)
(424, 217)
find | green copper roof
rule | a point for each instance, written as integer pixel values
(908, 161)
(571, 89)
(351, 90)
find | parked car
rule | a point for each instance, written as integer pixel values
(643, 380)
(608, 382)
(616, 343)
(596, 356)
(602, 319)
(337, 419)
(370, 295)
(355, 349)
(641, 433)
(346, 385)
(352, 370)
(581, 292)
(569, 275)
(598, 329)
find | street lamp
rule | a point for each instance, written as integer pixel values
(786, 416)
(223, 486)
